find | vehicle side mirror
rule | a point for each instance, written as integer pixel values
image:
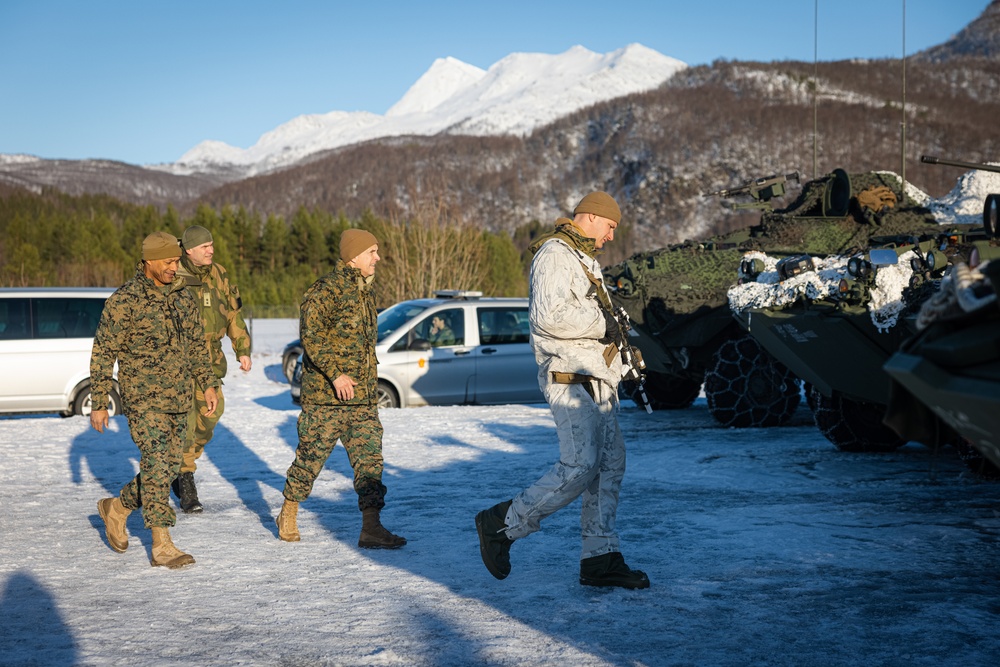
(883, 257)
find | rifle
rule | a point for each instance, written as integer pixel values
(761, 190)
(633, 367)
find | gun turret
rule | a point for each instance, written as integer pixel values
(991, 206)
(930, 159)
(761, 190)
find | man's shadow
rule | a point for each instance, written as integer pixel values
(33, 631)
(113, 459)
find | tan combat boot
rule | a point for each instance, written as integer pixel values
(288, 527)
(165, 553)
(114, 514)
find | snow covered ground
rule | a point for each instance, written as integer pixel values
(764, 547)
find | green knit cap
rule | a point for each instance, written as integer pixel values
(194, 236)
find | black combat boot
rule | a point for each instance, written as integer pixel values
(494, 545)
(373, 533)
(187, 493)
(610, 570)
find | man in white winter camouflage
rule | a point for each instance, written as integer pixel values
(575, 339)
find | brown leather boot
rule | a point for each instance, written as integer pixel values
(373, 533)
(288, 527)
(165, 553)
(114, 514)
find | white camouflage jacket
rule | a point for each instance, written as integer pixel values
(566, 318)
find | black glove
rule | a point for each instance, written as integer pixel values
(612, 330)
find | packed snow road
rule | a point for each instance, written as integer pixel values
(764, 547)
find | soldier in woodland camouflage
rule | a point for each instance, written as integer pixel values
(574, 338)
(151, 328)
(339, 390)
(219, 304)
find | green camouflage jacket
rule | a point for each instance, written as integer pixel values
(219, 303)
(338, 328)
(152, 332)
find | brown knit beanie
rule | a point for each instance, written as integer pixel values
(599, 203)
(353, 242)
(194, 236)
(160, 245)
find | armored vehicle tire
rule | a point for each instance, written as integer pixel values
(854, 426)
(746, 387)
(978, 465)
(670, 392)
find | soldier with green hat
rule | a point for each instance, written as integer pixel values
(150, 327)
(219, 304)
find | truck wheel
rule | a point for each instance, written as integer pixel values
(854, 426)
(670, 392)
(746, 387)
(978, 465)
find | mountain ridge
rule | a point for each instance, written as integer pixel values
(515, 95)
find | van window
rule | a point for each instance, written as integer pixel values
(66, 317)
(500, 326)
(62, 317)
(14, 319)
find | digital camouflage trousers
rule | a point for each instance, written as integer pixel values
(360, 431)
(200, 428)
(160, 438)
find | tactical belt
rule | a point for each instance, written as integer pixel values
(576, 378)
(571, 378)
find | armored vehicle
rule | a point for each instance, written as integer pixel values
(945, 380)
(677, 296)
(836, 326)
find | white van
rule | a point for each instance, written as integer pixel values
(46, 336)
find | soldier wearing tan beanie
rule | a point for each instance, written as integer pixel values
(339, 327)
(353, 242)
(573, 335)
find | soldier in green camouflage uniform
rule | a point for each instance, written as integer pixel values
(339, 390)
(150, 326)
(219, 302)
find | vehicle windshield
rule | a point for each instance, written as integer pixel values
(394, 317)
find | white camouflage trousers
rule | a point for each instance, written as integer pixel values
(591, 464)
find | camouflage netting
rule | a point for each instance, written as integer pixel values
(664, 288)
(886, 301)
(963, 290)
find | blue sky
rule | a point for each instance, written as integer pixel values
(144, 81)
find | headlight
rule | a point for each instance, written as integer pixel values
(936, 260)
(790, 267)
(751, 268)
(990, 215)
(859, 267)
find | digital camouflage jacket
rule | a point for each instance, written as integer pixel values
(338, 327)
(219, 302)
(156, 336)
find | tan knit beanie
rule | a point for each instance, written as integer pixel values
(160, 245)
(353, 242)
(599, 203)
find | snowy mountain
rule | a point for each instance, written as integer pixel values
(514, 96)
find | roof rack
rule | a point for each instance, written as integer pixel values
(456, 294)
